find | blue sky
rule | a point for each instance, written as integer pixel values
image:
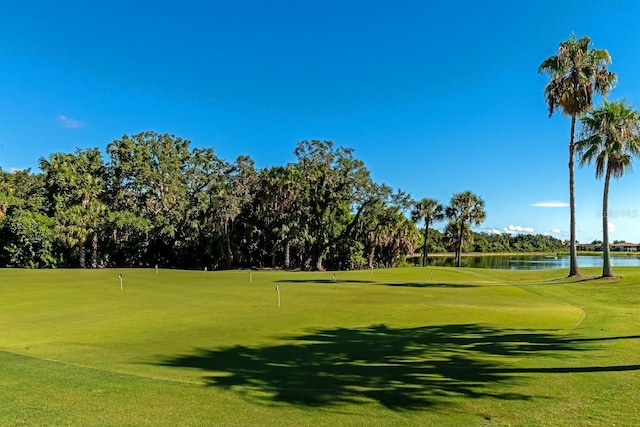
(435, 97)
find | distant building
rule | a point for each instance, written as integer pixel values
(589, 247)
(624, 247)
(614, 247)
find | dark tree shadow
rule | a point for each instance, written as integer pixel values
(428, 285)
(575, 369)
(403, 284)
(410, 368)
(322, 281)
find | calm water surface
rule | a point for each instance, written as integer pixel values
(531, 262)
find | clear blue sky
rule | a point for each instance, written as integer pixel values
(435, 97)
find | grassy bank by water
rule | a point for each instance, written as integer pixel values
(414, 346)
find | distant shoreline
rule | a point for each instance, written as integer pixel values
(470, 254)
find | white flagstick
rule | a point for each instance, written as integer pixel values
(278, 289)
(120, 277)
(156, 269)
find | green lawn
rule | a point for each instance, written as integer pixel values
(437, 346)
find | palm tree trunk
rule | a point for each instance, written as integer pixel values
(287, 255)
(459, 248)
(573, 254)
(94, 251)
(424, 249)
(606, 259)
(83, 259)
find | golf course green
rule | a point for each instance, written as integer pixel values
(415, 346)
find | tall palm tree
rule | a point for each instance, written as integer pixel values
(610, 137)
(575, 74)
(465, 209)
(429, 211)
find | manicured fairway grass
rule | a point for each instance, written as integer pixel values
(438, 346)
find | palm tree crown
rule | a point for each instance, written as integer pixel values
(575, 74)
(610, 137)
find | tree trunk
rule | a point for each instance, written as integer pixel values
(287, 255)
(459, 248)
(372, 254)
(317, 256)
(606, 259)
(573, 263)
(229, 253)
(94, 251)
(424, 249)
(83, 259)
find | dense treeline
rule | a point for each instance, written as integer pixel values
(484, 242)
(494, 243)
(156, 201)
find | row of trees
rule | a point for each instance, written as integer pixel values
(610, 133)
(464, 211)
(483, 242)
(157, 201)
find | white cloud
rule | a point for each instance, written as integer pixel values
(559, 234)
(68, 122)
(14, 170)
(550, 204)
(518, 229)
(612, 227)
(495, 231)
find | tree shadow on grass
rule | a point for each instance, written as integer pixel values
(402, 284)
(400, 368)
(428, 285)
(622, 337)
(321, 281)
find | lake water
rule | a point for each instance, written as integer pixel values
(530, 262)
